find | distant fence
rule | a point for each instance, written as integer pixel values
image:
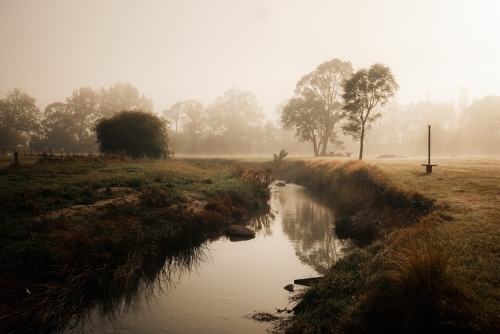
(45, 152)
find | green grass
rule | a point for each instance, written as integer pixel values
(129, 211)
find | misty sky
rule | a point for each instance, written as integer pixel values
(177, 50)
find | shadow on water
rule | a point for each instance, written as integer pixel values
(157, 277)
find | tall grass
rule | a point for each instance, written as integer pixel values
(404, 279)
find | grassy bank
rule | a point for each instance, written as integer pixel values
(428, 255)
(75, 229)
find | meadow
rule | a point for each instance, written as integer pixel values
(433, 269)
(74, 229)
(427, 256)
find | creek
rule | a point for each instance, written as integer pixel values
(214, 287)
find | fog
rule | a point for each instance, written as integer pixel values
(172, 51)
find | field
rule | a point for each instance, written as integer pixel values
(74, 229)
(468, 191)
(429, 244)
(433, 271)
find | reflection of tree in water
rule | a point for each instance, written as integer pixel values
(309, 225)
(262, 224)
(155, 278)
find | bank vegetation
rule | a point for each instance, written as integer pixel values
(427, 256)
(76, 229)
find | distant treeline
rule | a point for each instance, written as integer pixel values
(466, 129)
(68, 123)
(234, 124)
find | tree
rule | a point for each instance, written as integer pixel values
(319, 94)
(303, 116)
(194, 121)
(122, 97)
(136, 133)
(83, 105)
(480, 126)
(18, 118)
(174, 114)
(58, 124)
(234, 119)
(362, 93)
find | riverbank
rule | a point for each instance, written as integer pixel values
(428, 259)
(75, 229)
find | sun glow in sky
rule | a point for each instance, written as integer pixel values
(177, 50)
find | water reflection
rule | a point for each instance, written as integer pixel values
(262, 225)
(157, 277)
(309, 225)
(210, 287)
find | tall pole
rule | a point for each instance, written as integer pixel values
(429, 160)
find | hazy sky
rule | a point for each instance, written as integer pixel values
(177, 50)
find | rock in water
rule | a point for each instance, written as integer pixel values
(289, 287)
(240, 231)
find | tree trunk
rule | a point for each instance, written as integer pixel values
(315, 146)
(362, 138)
(325, 141)
(326, 137)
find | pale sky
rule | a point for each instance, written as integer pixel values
(177, 50)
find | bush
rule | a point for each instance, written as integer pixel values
(135, 133)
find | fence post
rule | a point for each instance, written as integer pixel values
(50, 152)
(16, 159)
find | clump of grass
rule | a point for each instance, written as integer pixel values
(156, 197)
(260, 178)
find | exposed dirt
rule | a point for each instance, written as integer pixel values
(190, 202)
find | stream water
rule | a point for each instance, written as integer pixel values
(216, 286)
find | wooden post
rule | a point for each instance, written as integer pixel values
(429, 144)
(50, 152)
(16, 159)
(428, 166)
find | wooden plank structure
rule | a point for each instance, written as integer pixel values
(306, 281)
(428, 166)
